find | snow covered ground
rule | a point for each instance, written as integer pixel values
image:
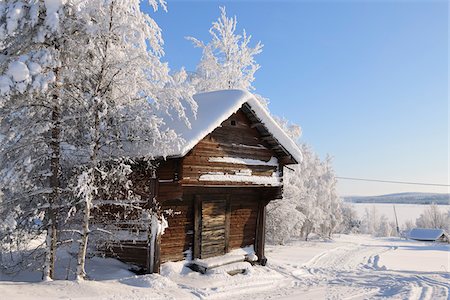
(350, 267)
(405, 212)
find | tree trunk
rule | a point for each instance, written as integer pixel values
(81, 271)
(51, 239)
(81, 263)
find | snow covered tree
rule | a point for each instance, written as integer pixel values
(30, 117)
(350, 221)
(81, 84)
(321, 205)
(228, 60)
(385, 228)
(371, 221)
(284, 219)
(294, 131)
(310, 203)
(409, 225)
(377, 224)
(330, 202)
(122, 84)
(432, 217)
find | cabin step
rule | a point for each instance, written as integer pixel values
(232, 264)
(232, 269)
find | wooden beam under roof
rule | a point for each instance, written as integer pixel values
(266, 135)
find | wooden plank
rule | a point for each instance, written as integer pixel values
(213, 227)
(261, 233)
(243, 222)
(157, 256)
(227, 225)
(179, 235)
(213, 236)
(197, 227)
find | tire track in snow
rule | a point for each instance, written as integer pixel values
(433, 289)
(357, 265)
(312, 278)
(351, 271)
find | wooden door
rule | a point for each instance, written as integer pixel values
(213, 228)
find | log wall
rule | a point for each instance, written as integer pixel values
(179, 237)
(169, 186)
(235, 138)
(243, 223)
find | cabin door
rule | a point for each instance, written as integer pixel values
(213, 228)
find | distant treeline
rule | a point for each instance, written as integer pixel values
(403, 198)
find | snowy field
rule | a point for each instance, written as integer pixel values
(405, 212)
(350, 267)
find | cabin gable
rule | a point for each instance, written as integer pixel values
(234, 154)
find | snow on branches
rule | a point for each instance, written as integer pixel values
(228, 60)
(26, 29)
(310, 203)
(81, 83)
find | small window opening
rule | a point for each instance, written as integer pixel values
(233, 123)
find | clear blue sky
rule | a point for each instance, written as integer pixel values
(366, 80)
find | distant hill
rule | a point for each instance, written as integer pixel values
(411, 198)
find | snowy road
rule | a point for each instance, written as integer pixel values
(352, 270)
(350, 267)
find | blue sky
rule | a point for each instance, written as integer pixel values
(366, 80)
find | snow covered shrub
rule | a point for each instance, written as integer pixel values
(310, 203)
(408, 225)
(350, 220)
(284, 221)
(377, 224)
(432, 217)
(385, 228)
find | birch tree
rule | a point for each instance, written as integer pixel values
(330, 202)
(81, 82)
(228, 60)
(433, 217)
(31, 107)
(122, 84)
(310, 202)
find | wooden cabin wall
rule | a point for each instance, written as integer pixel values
(130, 252)
(243, 223)
(240, 140)
(169, 174)
(245, 203)
(179, 236)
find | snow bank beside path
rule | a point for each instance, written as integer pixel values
(218, 284)
(297, 253)
(416, 256)
(130, 288)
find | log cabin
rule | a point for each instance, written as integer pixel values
(216, 183)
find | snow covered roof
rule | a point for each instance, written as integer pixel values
(216, 107)
(423, 234)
